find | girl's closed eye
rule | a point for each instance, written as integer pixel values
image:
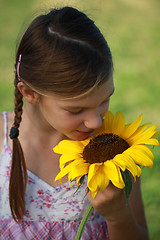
(79, 111)
(105, 101)
(76, 112)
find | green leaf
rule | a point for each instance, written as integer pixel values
(85, 194)
(81, 181)
(128, 183)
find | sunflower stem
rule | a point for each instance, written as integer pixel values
(83, 222)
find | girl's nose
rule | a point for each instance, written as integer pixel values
(94, 121)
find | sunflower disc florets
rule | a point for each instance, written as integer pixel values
(104, 147)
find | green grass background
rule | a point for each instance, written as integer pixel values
(132, 29)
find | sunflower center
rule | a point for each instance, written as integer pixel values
(104, 147)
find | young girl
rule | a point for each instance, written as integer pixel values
(64, 72)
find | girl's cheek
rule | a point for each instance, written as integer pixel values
(73, 121)
(105, 108)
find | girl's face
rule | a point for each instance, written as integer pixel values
(77, 118)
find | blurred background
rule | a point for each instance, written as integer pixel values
(132, 29)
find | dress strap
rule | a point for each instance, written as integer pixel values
(5, 129)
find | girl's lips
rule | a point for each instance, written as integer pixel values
(85, 133)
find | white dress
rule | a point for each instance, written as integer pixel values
(51, 213)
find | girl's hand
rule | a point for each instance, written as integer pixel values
(124, 221)
(109, 203)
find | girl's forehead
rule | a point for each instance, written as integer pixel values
(101, 93)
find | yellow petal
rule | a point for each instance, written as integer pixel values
(140, 129)
(102, 179)
(92, 184)
(79, 170)
(114, 175)
(92, 173)
(67, 169)
(99, 180)
(120, 184)
(139, 171)
(124, 160)
(94, 194)
(111, 170)
(118, 123)
(151, 141)
(144, 149)
(141, 138)
(131, 128)
(108, 122)
(69, 180)
(67, 158)
(139, 157)
(156, 134)
(66, 146)
(93, 169)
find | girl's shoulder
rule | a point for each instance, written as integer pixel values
(1, 131)
(8, 119)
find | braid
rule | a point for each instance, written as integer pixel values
(18, 176)
(18, 102)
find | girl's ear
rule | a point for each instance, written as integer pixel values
(30, 96)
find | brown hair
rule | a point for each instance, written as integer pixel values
(63, 52)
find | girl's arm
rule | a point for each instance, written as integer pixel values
(124, 221)
(1, 132)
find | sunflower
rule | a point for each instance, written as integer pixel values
(115, 148)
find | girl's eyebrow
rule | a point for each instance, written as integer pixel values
(81, 107)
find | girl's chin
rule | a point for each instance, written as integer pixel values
(79, 136)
